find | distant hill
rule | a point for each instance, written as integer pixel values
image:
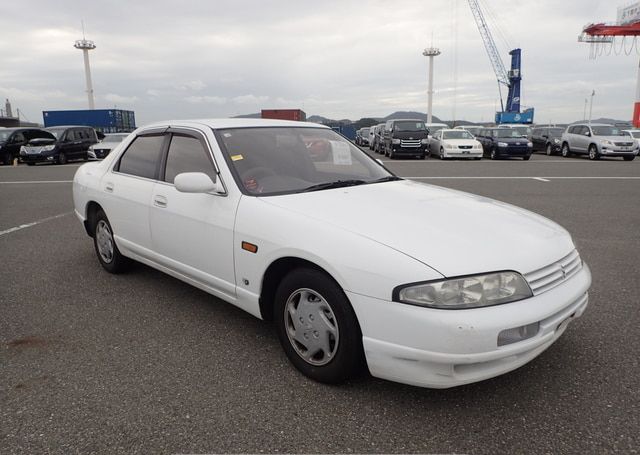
(256, 115)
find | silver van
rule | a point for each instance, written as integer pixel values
(598, 140)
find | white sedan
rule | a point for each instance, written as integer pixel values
(454, 143)
(358, 268)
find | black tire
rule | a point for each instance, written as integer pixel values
(526, 158)
(593, 153)
(31, 164)
(549, 150)
(441, 154)
(115, 262)
(62, 158)
(392, 155)
(494, 154)
(85, 157)
(628, 158)
(346, 357)
(7, 159)
(422, 157)
(566, 152)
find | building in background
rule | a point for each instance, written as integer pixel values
(284, 114)
(104, 120)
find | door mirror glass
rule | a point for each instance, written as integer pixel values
(197, 182)
(587, 133)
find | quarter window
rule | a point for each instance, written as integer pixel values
(187, 154)
(142, 156)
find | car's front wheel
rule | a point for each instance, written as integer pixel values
(549, 150)
(494, 154)
(317, 327)
(62, 158)
(628, 158)
(105, 245)
(593, 152)
(566, 153)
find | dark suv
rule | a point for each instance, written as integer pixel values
(547, 139)
(12, 139)
(406, 137)
(504, 143)
(64, 143)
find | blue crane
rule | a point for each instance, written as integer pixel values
(511, 79)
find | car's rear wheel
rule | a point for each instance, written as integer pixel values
(105, 245)
(317, 326)
(566, 153)
(593, 152)
(549, 150)
(628, 158)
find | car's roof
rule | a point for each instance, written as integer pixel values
(593, 124)
(450, 129)
(234, 123)
(64, 127)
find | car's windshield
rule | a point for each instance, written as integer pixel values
(56, 132)
(475, 130)
(365, 131)
(507, 132)
(268, 161)
(409, 126)
(523, 130)
(635, 134)
(4, 135)
(114, 137)
(606, 130)
(457, 134)
(552, 132)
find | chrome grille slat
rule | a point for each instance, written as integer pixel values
(550, 276)
(409, 143)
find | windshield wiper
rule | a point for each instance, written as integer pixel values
(336, 184)
(388, 178)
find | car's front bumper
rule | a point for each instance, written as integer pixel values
(446, 348)
(42, 157)
(463, 153)
(618, 151)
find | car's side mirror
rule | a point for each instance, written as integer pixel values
(587, 133)
(197, 182)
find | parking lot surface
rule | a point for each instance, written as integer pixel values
(143, 363)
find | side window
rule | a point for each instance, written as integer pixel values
(18, 137)
(187, 154)
(388, 126)
(142, 156)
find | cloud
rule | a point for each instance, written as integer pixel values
(119, 99)
(250, 99)
(206, 99)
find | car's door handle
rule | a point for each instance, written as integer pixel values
(108, 187)
(160, 201)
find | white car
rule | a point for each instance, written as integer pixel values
(455, 143)
(358, 268)
(103, 148)
(635, 134)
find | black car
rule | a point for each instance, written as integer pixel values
(405, 137)
(547, 139)
(504, 143)
(13, 139)
(64, 143)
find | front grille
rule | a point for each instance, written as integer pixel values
(465, 147)
(623, 144)
(554, 274)
(33, 150)
(409, 143)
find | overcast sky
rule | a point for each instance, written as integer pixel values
(339, 59)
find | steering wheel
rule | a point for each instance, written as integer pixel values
(251, 178)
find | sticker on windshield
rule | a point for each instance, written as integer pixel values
(341, 153)
(237, 157)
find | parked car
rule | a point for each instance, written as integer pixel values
(375, 145)
(504, 143)
(452, 143)
(66, 143)
(363, 136)
(473, 129)
(103, 148)
(635, 134)
(524, 130)
(404, 137)
(12, 139)
(416, 295)
(547, 139)
(433, 127)
(596, 140)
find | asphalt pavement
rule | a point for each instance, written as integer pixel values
(143, 363)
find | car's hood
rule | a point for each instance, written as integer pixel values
(458, 142)
(614, 138)
(453, 232)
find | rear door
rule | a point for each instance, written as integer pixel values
(193, 232)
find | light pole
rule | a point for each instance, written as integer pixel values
(593, 93)
(430, 52)
(584, 114)
(86, 46)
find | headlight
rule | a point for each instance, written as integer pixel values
(556, 141)
(477, 145)
(606, 142)
(465, 292)
(502, 144)
(448, 146)
(395, 141)
(424, 141)
(23, 150)
(529, 144)
(48, 148)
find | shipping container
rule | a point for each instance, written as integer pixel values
(284, 114)
(104, 120)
